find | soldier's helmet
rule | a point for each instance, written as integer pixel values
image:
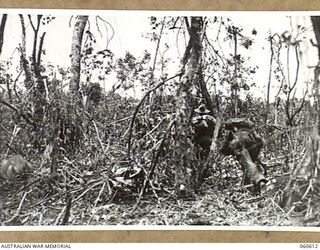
(203, 118)
(202, 110)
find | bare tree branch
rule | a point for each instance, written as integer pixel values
(40, 48)
(19, 112)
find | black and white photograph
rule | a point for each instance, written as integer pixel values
(159, 118)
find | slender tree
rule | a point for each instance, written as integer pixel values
(77, 39)
(23, 55)
(2, 26)
(37, 51)
(270, 38)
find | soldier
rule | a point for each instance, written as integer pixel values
(245, 144)
(203, 124)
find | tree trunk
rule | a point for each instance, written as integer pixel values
(235, 85)
(73, 122)
(23, 56)
(36, 53)
(302, 191)
(2, 26)
(77, 38)
(39, 94)
(184, 106)
(316, 27)
(269, 80)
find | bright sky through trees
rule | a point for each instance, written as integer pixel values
(130, 27)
